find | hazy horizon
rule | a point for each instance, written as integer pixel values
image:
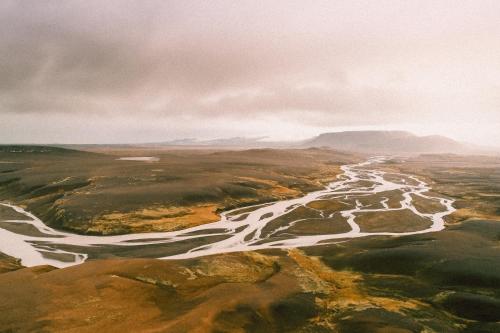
(134, 71)
(250, 140)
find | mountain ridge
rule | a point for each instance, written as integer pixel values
(386, 142)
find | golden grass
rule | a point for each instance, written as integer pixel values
(275, 190)
(343, 289)
(157, 219)
(464, 214)
(325, 175)
(249, 267)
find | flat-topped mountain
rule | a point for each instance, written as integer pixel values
(386, 142)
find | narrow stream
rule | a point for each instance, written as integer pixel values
(237, 230)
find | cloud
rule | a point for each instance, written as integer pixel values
(324, 63)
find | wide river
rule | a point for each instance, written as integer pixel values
(251, 228)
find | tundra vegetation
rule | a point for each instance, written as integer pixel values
(444, 281)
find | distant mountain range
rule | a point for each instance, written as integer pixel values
(371, 142)
(383, 142)
(387, 142)
(222, 142)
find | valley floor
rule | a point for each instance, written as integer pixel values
(445, 281)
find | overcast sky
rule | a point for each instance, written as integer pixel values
(138, 71)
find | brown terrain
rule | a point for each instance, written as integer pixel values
(438, 282)
(95, 193)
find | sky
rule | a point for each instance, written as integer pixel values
(121, 71)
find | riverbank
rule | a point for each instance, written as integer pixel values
(265, 227)
(96, 194)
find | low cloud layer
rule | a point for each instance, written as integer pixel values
(131, 71)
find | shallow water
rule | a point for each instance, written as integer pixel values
(241, 231)
(140, 159)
